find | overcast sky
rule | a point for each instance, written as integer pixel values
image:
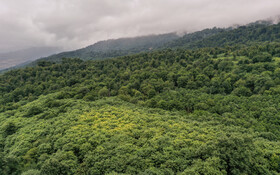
(72, 24)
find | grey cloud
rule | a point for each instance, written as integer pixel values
(72, 24)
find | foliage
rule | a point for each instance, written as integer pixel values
(112, 136)
(202, 111)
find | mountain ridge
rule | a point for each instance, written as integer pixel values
(214, 37)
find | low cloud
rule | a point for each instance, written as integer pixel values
(71, 24)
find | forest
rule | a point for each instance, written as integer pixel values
(206, 110)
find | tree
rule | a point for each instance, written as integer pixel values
(104, 92)
(9, 128)
(264, 57)
(239, 155)
(242, 91)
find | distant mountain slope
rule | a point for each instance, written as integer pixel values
(125, 46)
(255, 32)
(259, 31)
(27, 55)
(194, 37)
(116, 47)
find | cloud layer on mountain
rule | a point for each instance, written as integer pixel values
(73, 24)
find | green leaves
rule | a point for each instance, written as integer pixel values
(34, 110)
(204, 111)
(8, 128)
(113, 136)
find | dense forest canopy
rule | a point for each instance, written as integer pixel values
(209, 110)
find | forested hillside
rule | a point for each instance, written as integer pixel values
(243, 35)
(261, 31)
(215, 37)
(116, 47)
(173, 111)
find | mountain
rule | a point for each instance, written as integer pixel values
(126, 46)
(260, 31)
(190, 38)
(116, 47)
(25, 56)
